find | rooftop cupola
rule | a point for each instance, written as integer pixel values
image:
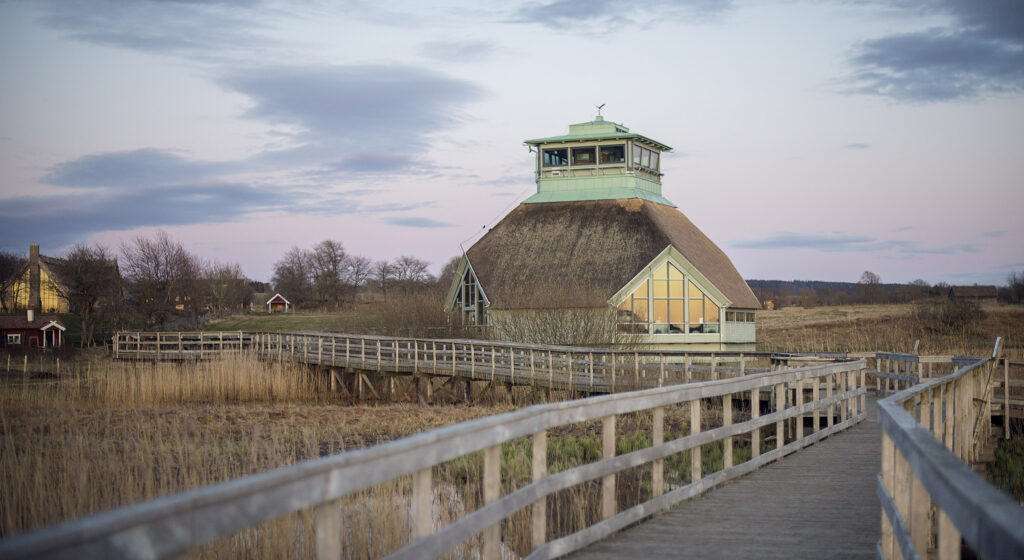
(598, 160)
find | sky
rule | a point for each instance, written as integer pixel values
(812, 139)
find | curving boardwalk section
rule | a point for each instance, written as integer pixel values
(819, 503)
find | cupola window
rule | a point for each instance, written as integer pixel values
(613, 154)
(556, 157)
(583, 156)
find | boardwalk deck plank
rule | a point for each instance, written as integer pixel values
(819, 503)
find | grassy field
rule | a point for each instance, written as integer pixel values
(99, 434)
(891, 328)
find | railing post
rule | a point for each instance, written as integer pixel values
(901, 491)
(695, 458)
(780, 405)
(949, 535)
(1006, 397)
(829, 382)
(799, 401)
(755, 413)
(888, 541)
(328, 530)
(539, 521)
(492, 491)
(727, 420)
(658, 438)
(422, 498)
(920, 501)
(608, 503)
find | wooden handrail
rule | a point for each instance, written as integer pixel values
(925, 463)
(171, 525)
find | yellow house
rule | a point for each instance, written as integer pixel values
(44, 272)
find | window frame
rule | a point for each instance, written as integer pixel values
(544, 153)
(13, 338)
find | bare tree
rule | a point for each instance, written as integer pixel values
(163, 279)
(871, 289)
(329, 261)
(229, 289)
(10, 264)
(293, 277)
(383, 275)
(93, 285)
(358, 271)
(411, 274)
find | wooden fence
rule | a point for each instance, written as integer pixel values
(831, 397)
(930, 497)
(582, 370)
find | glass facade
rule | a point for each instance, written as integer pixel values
(668, 303)
(469, 300)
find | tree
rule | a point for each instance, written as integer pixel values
(163, 278)
(358, 271)
(411, 273)
(293, 277)
(229, 289)
(870, 278)
(383, 274)
(328, 262)
(1015, 287)
(871, 290)
(10, 263)
(91, 278)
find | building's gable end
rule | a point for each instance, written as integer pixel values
(671, 255)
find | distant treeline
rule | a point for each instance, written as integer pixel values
(809, 293)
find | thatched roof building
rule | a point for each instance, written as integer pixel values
(599, 234)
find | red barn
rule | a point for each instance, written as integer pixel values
(31, 331)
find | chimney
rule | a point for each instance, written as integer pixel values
(31, 318)
(34, 300)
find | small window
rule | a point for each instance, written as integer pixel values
(637, 152)
(584, 156)
(14, 339)
(646, 160)
(556, 157)
(654, 161)
(613, 154)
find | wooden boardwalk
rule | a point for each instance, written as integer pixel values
(819, 503)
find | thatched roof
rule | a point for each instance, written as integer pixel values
(578, 254)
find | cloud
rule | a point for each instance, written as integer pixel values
(68, 218)
(417, 222)
(584, 14)
(459, 51)
(131, 169)
(393, 107)
(378, 162)
(841, 242)
(857, 146)
(981, 53)
(207, 29)
(994, 234)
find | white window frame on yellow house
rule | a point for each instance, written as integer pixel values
(692, 330)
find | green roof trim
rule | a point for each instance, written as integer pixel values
(597, 194)
(599, 129)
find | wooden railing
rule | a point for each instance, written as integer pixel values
(831, 396)
(584, 370)
(196, 345)
(931, 432)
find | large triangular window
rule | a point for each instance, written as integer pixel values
(668, 302)
(470, 301)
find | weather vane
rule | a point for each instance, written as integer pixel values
(599, 108)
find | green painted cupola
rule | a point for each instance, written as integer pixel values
(598, 160)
